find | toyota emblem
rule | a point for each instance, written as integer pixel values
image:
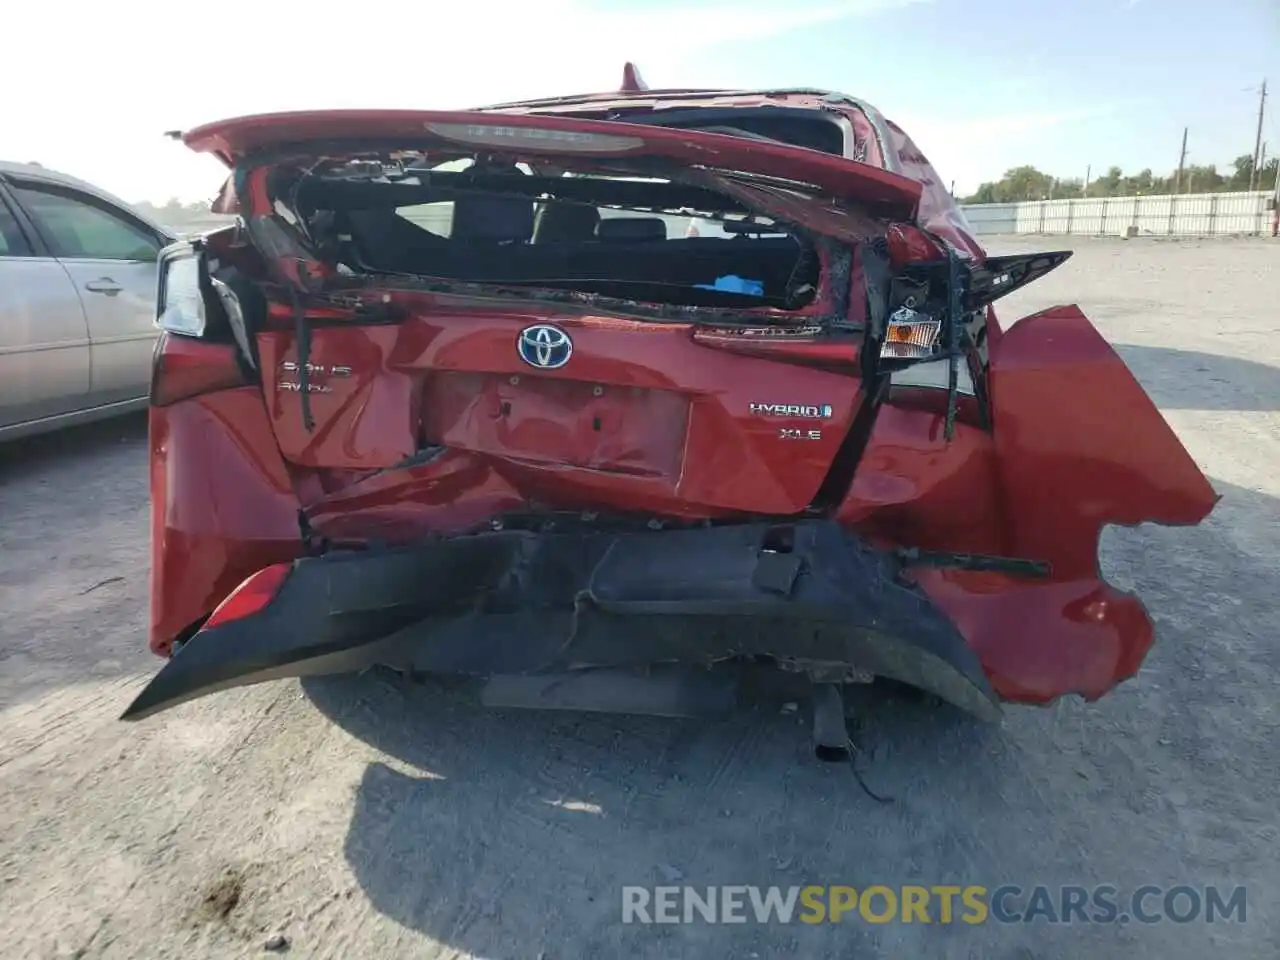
(544, 346)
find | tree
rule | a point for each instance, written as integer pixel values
(1018, 183)
(986, 193)
(1110, 184)
(1028, 183)
(1243, 167)
(1068, 189)
(1204, 179)
(1144, 182)
(1270, 170)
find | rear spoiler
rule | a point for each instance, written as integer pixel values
(241, 140)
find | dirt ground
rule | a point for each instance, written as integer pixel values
(359, 817)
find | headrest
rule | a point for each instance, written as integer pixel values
(560, 222)
(632, 228)
(493, 219)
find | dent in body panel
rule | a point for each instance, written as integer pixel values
(623, 430)
(1080, 444)
(913, 487)
(1076, 445)
(362, 421)
(222, 506)
(676, 430)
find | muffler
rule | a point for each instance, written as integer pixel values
(830, 735)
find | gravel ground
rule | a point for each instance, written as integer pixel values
(358, 817)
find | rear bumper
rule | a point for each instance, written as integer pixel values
(514, 603)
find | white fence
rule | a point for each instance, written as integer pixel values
(1184, 215)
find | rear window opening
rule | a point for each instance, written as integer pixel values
(797, 127)
(497, 223)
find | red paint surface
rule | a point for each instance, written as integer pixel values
(938, 212)
(185, 368)
(675, 435)
(913, 488)
(835, 353)
(908, 244)
(631, 79)
(221, 506)
(1077, 445)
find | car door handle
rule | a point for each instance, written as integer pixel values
(103, 285)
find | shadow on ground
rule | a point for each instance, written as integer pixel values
(1192, 380)
(51, 450)
(512, 834)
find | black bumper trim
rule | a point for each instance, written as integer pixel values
(531, 603)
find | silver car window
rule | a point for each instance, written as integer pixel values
(79, 228)
(12, 241)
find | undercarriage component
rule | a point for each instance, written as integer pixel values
(830, 735)
(667, 691)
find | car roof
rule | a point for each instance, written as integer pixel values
(787, 96)
(641, 98)
(36, 171)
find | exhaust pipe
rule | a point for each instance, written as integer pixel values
(830, 735)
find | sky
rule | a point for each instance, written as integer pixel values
(981, 85)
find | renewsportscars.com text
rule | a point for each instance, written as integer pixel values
(944, 904)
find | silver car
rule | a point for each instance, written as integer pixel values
(77, 301)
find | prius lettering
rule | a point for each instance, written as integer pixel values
(336, 370)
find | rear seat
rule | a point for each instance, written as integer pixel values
(631, 229)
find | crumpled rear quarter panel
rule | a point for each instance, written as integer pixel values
(1077, 444)
(222, 506)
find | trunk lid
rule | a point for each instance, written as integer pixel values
(452, 403)
(882, 192)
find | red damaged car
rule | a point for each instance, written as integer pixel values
(462, 393)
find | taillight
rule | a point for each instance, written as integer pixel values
(250, 597)
(183, 367)
(909, 244)
(912, 330)
(180, 289)
(910, 336)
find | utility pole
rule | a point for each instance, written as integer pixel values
(1255, 173)
(1182, 163)
(1087, 170)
